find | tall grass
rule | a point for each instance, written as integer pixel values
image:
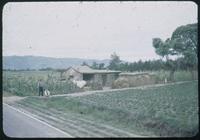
(178, 76)
(25, 83)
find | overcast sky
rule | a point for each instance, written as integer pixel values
(91, 29)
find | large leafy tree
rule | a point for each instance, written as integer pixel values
(184, 41)
(183, 44)
(165, 50)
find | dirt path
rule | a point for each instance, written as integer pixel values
(122, 89)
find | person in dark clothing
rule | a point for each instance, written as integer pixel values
(41, 87)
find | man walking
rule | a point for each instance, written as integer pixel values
(41, 88)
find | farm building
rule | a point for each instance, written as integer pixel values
(85, 73)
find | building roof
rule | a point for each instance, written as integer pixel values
(134, 73)
(88, 70)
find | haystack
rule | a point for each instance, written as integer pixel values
(134, 80)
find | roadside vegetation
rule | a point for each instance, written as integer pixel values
(170, 110)
(24, 83)
(180, 75)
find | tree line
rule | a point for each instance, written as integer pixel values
(148, 65)
(183, 45)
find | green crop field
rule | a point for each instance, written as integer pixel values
(24, 83)
(170, 110)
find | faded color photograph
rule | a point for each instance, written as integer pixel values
(100, 69)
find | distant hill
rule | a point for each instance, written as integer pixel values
(38, 62)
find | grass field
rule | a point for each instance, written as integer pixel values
(170, 110)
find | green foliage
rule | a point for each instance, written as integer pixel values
(165, 50)
(84, 63)
(181, 75)
(183, 44)
(94, 65)
(184, 76)
(98, 66)
(185, 40)
(25, 83)
(101, 66)
(169, 106)
(152, 65)
(162, 48)
(114, 62)
(188, 32)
